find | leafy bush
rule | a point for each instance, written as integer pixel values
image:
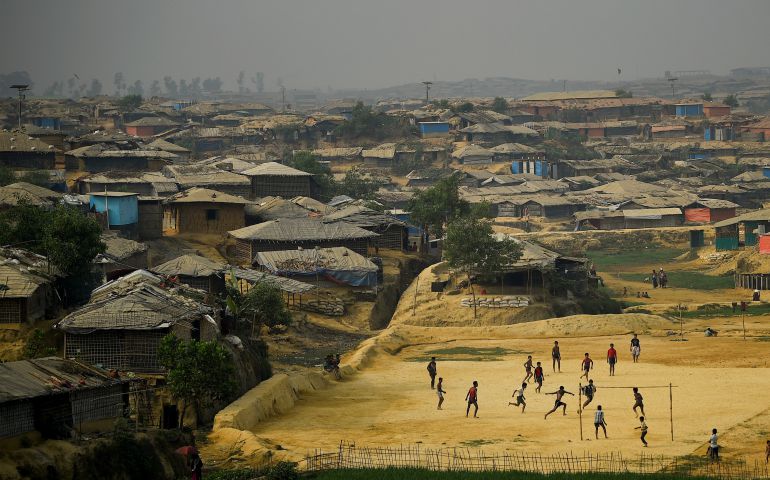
(283, 471)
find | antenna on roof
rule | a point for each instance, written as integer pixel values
(21, 88)
(427, 90)
(672, 81)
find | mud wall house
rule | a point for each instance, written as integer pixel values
(20, 151)
(297, 233)
(200, 210)
(55, 396)
(123, 328)
(759, 130)
(276, 180)
(121, 210)
(716, 110)
(195, 271)
(149, 126)
(707, 210)
(150, 217)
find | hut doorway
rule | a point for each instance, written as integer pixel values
(170, 417)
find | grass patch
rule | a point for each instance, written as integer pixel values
(686, 279)
(708, 311)
(477, 443)
(467, 354)
(618, 261)
(421, 474)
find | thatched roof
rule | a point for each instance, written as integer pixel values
(204, 195)
(191, 266)
(275, 169)
(298, 230)
(286, 262)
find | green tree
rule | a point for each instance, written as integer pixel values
(707, 97)
(307, 162)
(434, 207)
(620, 93)
(356, 185)
(731, 100)
(464, 108)
(71, 240)
(199, 373)
(500, 105)
(365, 122)
(129, 103)
(470, 247)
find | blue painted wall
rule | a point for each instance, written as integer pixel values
(433, 128)
(694, 110)
(766, 171)
(122, 210)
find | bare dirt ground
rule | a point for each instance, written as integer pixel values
(720, 383)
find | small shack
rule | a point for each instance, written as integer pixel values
(195, 271)
(122, 327)
(632, 218)
(290, 234)
(200, 210)
(122, 256)
(393, 233)
(26, 287)
(339, 265)
(56, 397)
(747, 227)
(274, 179)
(707, 210)
(120, 210)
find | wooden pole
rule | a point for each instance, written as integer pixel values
(743, 320)
(416, 286)
(671, 408)
(580, 408)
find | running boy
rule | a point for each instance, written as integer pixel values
(539, 377)
(558, 403)
(520, 397)
(612, 358)
(643, 427)
(528, 368)
(472, 399)
(586, 365)
(638, 402)
(440, 392)
(588, 391)
(600, 422)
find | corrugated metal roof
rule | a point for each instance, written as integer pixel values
(204, 195)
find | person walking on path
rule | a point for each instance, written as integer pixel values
(586, 365)
(558, 403)
(643, 427)
(432, 371)
(654, 279)
(556, 356)
(612, 358)
(588, 391)
(713, 449)
(440, 392)
(473, 399)
(638, 402)
(520, 400)
(196, 467)
(662, 278)
(528, 368)
(600, 422)
(636, 348)
(539, 377)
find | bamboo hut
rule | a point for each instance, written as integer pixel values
(200, 210)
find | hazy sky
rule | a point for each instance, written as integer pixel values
(378, 43)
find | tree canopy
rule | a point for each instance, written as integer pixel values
(500, 105)
(199, 373)
(129, 103)
(707, 97)
(365, 122)
(620, 93)
(731, 100)
(470, 247)
(433, 207)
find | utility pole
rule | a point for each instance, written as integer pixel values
(672, 81)
(427, 90)
(283, 98)
(21, 89)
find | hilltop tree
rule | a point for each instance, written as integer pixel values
(213, 85)
(707, 97)
(434, 207)
(239, 81)
(130, 102)
(71, 87)
(500, 105)
(155, 90)
(470, 247)
(259, 82)
(620, 93)
(307, 162)
(95, 89)
(355, 185)
(171, 87)
(199, 373)
(463, 108)
(119, 82)
(184, 89)
(731, 100)
(56, 89)
(136, 89)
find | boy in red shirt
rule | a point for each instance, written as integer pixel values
(612, 358)
(472, 399)
(539, 377)
(586, 366)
